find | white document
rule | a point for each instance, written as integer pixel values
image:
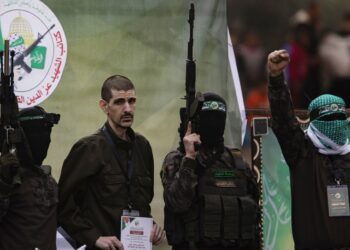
(136, 233)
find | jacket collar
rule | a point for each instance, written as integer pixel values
(120, 142)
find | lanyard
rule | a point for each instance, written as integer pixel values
(127, 175)
(335, 171)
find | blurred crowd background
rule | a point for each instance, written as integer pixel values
(316, 34)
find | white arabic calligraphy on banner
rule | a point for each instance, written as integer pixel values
(40, 46)
(276, 196)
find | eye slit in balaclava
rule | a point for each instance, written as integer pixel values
(212, 119)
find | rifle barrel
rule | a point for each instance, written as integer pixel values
(190, 42)
(37, 41)
(7, 58)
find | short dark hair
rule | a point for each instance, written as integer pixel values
(117, 82)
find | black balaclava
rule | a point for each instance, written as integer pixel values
(37, 124)
(212, 119)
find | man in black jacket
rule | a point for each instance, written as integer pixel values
(318, 160)
(108, 174)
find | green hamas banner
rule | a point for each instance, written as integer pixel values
(147, 42)
(1, 39)
(276, 196)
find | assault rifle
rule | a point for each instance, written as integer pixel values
(20, 58)
(10, 134)
(194, 101)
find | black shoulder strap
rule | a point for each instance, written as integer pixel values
(110, 142)
(237, 158)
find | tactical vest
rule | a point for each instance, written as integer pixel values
(224, 212)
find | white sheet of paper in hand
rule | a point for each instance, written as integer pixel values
(136, 233)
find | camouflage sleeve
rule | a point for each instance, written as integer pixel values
(179, 181)
(284, 123)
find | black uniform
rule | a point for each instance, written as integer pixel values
(28, 193)
(211, 202)
(310, 173)
(28, 211)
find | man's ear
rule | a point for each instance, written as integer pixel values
(104, 106)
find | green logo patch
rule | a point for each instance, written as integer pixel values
(224, 173)
(38, 56)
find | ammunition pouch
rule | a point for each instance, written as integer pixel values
(227, 220)
(220, 220)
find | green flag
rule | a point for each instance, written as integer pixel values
(276, 196)
(38, 57)
(18, 41)
(1, 39)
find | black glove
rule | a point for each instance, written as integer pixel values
(9, 165)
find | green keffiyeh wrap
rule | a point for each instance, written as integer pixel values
(334, 130)
(328, 128)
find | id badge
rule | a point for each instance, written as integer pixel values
(338, 200)
(131, 213)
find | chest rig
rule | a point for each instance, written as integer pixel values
(224, 212)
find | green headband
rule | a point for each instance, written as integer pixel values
(326, 110)
(214, 106)
(49, 117)
(326, 105)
